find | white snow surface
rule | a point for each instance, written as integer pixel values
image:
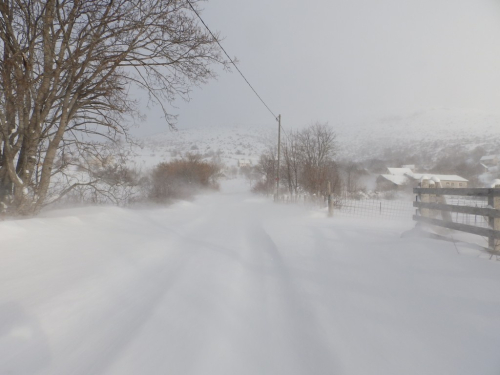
(234, 284)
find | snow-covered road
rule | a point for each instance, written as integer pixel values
(233, 284)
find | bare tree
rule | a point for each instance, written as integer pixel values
(290, 172)
(308, 162)
(317, 148)
(67, 69)
(267, 168)
(351, 172)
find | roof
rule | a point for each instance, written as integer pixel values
(400, 171)
(396, 179)
(489, 157)
(442, 177)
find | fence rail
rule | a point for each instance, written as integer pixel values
(485, 232)
(484, 211)
(483, 204)
(477, 192)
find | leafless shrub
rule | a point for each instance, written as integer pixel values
(181, 179)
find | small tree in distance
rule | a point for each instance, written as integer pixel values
(307, 162)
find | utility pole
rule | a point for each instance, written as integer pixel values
(279, 153)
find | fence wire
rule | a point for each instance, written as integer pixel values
(376, 208)
(391, 209)
(396, 209)
(476, 220)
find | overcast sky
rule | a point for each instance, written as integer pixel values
(343, 61)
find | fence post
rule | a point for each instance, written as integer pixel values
(445, 215)
(494, 223)
(424, 183)
(330, 203)
(432, 198)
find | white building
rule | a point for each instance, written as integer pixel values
(447, 180)
(399, 177)
(400, 171)
(489, 160)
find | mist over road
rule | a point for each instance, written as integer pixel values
(233, 284)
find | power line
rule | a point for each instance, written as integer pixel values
(283, 130)
(231, 60)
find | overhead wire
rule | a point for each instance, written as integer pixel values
(284, 132)
(231, 60)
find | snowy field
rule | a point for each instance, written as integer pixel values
(233, 284)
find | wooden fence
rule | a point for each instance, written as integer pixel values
(431, 202)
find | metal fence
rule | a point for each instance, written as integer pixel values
(344, 205)
(375, 208)
(477, 202)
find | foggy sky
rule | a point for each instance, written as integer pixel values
(343, 61)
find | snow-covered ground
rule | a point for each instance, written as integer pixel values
(229, 143)
(233, 284)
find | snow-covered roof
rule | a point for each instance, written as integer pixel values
(396, 179)
(442, 177)
(489, 157)
(400, 171)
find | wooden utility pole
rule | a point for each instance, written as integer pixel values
(279, 153)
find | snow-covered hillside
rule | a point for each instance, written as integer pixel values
(230, 143)
(428, 132)
(233, 284)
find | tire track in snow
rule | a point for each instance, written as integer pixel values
(113, 328)
(301, 333)
(209, 290)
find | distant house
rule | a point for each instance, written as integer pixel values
(483, 168)
(244, 163)
(390, 181)
(447, 180)
(399, 171)
(489, 160)
(399, 177)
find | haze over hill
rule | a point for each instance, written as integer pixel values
(431, 130)
(426, 131)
